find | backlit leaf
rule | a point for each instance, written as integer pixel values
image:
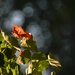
(1, 37)
(4, 35)
(19, 60)
(53, 62)
(23, 42)
(42, 65)
(39, 56)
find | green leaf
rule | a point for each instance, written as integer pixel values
(43, 65)
(2, 46)
(1, 37)
(13, 65)
(6, 64)
(12, 62)
(35, 65)
(15, 70)
(26, 55)
(13, 41)
(26, 60)
(5, 60)
(0, 70)
(32, 45)
(1, 59)
(7, 68)
(8, 53)
(3, 71)
(13, 52)
(9, 71)
(53, 62)
(40, 65)
(39, 56)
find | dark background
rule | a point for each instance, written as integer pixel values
(52, 23)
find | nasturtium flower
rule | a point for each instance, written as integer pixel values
(18, 32)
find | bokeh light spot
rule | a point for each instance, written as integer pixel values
(28, 11)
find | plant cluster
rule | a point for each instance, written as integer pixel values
(9, 62)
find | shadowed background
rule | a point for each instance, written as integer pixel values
(52, 24)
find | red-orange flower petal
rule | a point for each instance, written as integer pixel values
(18, 32)
(20, 53)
